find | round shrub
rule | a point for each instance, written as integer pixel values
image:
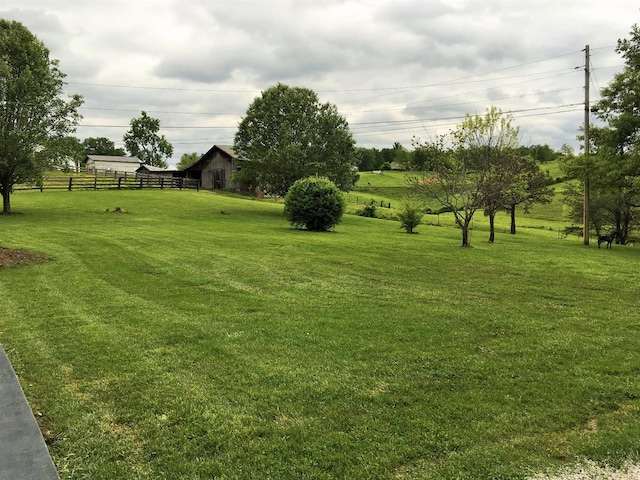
(368, 210)
(410, 216)
(314, 203)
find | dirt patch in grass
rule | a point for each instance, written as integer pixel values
(592, 471)
(13, 258)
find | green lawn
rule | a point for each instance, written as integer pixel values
(176, 341)
(389, 187)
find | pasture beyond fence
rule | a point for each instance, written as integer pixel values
(107, 181)
(364, 200)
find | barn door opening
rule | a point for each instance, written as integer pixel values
(218, 179)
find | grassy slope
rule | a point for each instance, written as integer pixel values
(173, 341)
(391, 187)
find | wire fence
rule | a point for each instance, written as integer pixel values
(366, 200)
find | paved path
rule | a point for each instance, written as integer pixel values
(23, 453)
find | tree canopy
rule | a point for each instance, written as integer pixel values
(472, 168)
(143, 141)
(287, 134)
(187, 159)
(612, 167)
(101, 146)
(534, 186)
(33, 115)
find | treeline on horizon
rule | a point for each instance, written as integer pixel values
(399, 157)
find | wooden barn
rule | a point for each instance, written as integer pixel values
(109, 163)
(214, 170)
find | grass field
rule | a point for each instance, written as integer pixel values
(390, 187)
(176, 341)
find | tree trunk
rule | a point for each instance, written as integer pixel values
(492, 227)
(6, 200)
(465, 234)
(513, 219)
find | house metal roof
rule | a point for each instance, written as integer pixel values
(153, 168)
(113, 158)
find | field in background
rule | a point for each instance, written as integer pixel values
(391, 188)
(196, 335)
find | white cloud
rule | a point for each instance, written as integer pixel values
(414, 67)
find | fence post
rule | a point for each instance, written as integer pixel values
(141, 180)
(161, 183)
(119, 182)
(70, 182)
(95, 183)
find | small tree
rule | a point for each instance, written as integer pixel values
(314, 203)
(369, 210)
(536, 188)
(469, 174)
(142, 141)
(410, 215)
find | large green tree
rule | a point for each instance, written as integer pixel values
(612, 167)
(287, 134)
(143, 141)
(366, 159)
(66, 153)
(540, 153)
(34, 116)
(101, 146)
(613, 176)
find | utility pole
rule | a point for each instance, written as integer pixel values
(585, 204)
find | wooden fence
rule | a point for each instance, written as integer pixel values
(119, 182)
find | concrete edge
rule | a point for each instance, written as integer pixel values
(23, 451)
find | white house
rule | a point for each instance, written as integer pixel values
(109, 163)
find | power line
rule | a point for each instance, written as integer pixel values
(177, 89)
(381, 127)
(405, 87)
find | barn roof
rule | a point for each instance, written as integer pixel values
(228, 149)
(225, 149)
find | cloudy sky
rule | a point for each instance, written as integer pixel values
(396, 69)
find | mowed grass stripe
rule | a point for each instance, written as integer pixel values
(174, 340)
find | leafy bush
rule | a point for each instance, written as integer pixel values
(314, 203)
(410, 216)
(368, 210)
(385, 166)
